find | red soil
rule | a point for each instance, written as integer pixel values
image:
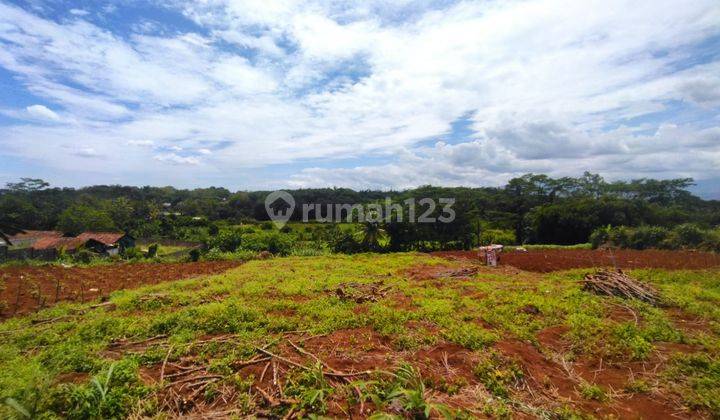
(556, 381)
(27, 289)
(562, 259)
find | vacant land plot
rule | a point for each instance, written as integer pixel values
(403, 335)
(545, 261)
(27, 289)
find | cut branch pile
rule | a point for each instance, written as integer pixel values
(617, 283)
(187, 387)
(362, 292)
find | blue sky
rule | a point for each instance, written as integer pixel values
(260, 94)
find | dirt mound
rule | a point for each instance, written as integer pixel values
(27, 289)
(361, 292)
(432, 272)
(563, 259)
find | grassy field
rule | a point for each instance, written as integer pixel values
(397, 335)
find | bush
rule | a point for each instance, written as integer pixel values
(686, 236)
(346, 244)
(84, 256)
(645, 237)
(712, 241)
(132, 253)
(227, 240)
(497, 236)
(152, 250)
(271, 241)
(194, 255)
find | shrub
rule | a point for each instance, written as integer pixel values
(133, 253)
(644, 237)
(227, 240)
(152, 250)
(84, 256)
(685, 236)
(497, 236)
(712, 241)
(648, 237)
(271, 241)
(346, 244)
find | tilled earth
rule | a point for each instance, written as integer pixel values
(28, 289)
(294, 337)
(545, 261)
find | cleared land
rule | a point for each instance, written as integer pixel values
(547, 260)
(25, 289)
(401, 334)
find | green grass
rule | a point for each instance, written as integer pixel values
(262, 299)
(540, 247)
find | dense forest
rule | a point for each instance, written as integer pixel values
(529, 209)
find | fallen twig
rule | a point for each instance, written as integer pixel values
(135, 343)
(162, 369)
(182, 381)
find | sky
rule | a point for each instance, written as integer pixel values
(266, 94)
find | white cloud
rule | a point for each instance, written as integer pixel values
(42, 112)
(141, 143)
(546, 81)
(79, 12)
(87, 152)
(176, 159)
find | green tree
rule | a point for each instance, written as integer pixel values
(27, 185)
(122, 213)
(19, 211)
(370, 235)
(79, 218)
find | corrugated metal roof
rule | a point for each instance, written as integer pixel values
(49, 243)
(28, 234)
(107, 238)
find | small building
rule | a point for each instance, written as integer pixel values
(69, 244)
(28, 238)
(110, 243)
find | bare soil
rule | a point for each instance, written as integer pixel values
(545, 261)
(28, 289)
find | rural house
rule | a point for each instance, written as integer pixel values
(107, 242)
(29, 238)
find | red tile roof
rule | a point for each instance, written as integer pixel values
(106, 238)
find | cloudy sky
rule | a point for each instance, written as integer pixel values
(253, 94)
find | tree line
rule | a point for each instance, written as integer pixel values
(533, 208)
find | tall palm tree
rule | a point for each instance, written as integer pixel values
(370, 235)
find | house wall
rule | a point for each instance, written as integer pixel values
(28, 254)
(126, 242)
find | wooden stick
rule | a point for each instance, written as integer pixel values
(183, 373)
(162, 370)
(335, 374)
(262, 375)
(182, 381)
(267, 397)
